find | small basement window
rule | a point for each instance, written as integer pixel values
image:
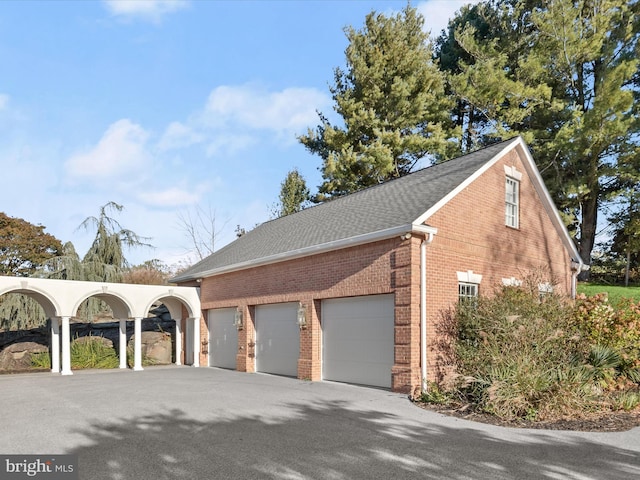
(468, 285)
(545, 289)
(467, 291)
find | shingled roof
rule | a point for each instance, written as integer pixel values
(367, 215)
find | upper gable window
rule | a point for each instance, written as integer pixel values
(512, 197)
(512, 202)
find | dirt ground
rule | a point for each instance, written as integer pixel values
(605, 422)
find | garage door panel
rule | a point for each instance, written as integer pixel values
(223, 338)
(364, 373)
(277, 339)
(358, 339)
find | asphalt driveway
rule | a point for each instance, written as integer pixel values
(205, 423)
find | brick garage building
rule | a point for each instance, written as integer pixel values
(353, 289)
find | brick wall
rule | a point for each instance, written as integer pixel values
(471, 236)
(364, 270)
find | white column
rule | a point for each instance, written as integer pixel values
(196, 342)
(123, 343)
(178, 341)
(137, 344)
(66, 347)
(55, 345)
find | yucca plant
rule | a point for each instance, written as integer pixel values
(600, 367)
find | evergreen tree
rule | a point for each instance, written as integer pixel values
(392, 103)
(466, 114)
(105, 260)
(563, 73)
(66, 266)
(625, 242)
(294, 194)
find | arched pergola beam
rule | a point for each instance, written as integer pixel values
(61, 299)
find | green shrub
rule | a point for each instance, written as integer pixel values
(93, 354)
(617, 328)
(627, 400)
(90, 353)
(521, 356)
(600, 368)
(41, 360)
(516, 347)
(435, 395)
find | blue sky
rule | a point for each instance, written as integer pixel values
(166, 107)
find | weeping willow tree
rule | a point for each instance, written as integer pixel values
(20, 312)
(105, 260)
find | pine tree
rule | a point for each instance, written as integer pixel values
(563, 73)
(392, 104)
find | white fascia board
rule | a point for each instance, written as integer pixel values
(538, 184)
(548, 203)
(423, 229)
(444, 200)
(314, 250)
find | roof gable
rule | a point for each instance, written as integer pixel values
(378, 212)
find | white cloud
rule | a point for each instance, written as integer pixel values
(229, 143)
(437, 13)
(235, 117)
(121, 150)
(289, 110)
(149, 10)
(174, 197)
(179, 135)
(4, 101)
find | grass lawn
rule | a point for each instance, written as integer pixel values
(615, 292)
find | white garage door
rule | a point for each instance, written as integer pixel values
(277, 339)
(358, 340)
(223, 338)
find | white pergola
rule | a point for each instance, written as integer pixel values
(61, 299)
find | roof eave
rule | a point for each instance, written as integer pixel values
(312, 250)
(550, 206)
(539, 185)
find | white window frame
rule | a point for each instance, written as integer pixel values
(511, 282)
(467, 291)
(512, 203)
(512, 197)
(468, 285)
(545, 289)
